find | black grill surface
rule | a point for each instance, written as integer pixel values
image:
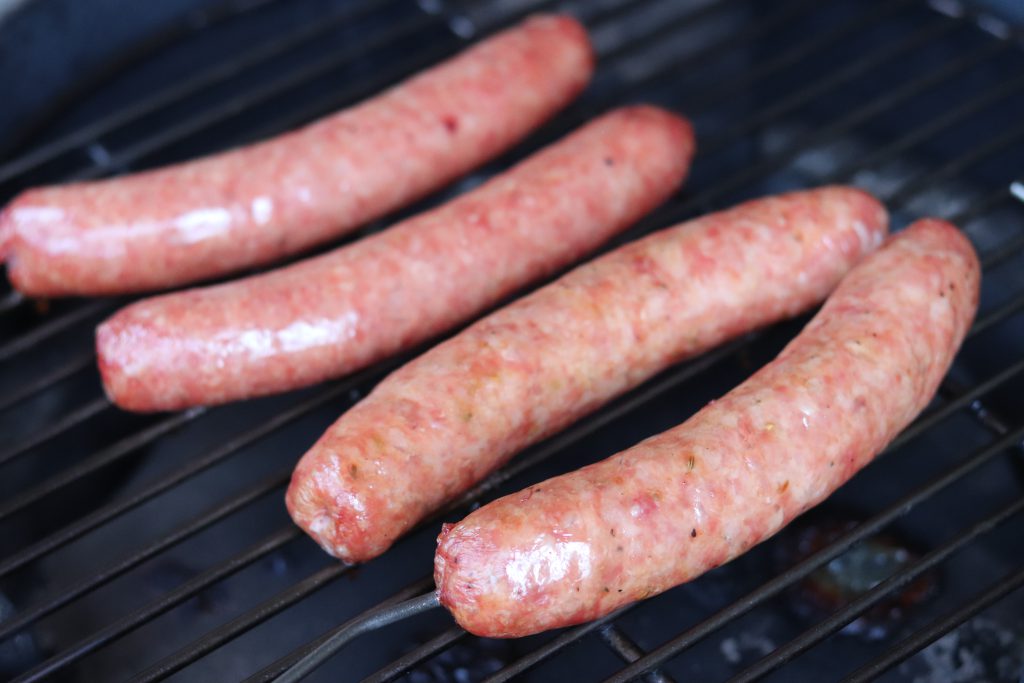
(149, 548)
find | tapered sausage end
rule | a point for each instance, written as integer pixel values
(125, 354)
(568, 32)
(864, 219)
(462, 579)
(677, 132)
(513, 578)
(6, 232)
(328, 499)
(870, 217)
(955, 266)
(468, 580)
(26, 227)
(111, 353)
(151, 359)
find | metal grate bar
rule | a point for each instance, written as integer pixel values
(987, 203)
(263, 53)
(598, 13)
(296, 78)
(991, 421)
(435, 645)
(55, 429)
(334, 101)
(547, 650)
(792, 57)
(937, 629)
(1005, 311)
(875, 106)
(192, 23)
(156, 608)
(165, 483)
(104, 576)
(1004, 253)
(930, 129)
(279, 666)
(133, 443)
(930, 419)
(11, 301)
(718, 48)
(94, 463)
(833, 80)
(245, 622)
(947, 170)
(629, 651)
(866, 600)
(788, 58)
(169, 135)
(77, 363)
(802, 569)
(54, 326)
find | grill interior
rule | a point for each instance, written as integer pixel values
(147, 548)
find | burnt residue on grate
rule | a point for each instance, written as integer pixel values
(156, 547)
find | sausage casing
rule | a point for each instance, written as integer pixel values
(441, 423)
(253, 205)
(335, 313)
(578, 546)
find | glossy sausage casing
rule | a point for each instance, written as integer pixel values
(444, 421)
(579, 546)
(329, 315)
(254, 205)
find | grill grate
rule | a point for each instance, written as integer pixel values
(920, 106)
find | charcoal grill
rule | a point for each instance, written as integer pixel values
(150, 548)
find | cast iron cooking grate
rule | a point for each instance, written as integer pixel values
(149, 547)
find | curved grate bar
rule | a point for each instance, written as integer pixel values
(934, 631)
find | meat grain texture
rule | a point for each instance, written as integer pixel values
(330, 315)
(577, 547)
(441, 423)
(254, 205)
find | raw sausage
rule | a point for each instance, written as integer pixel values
(578, 546)
(257, 204)
(441, 423)
(329, 315)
